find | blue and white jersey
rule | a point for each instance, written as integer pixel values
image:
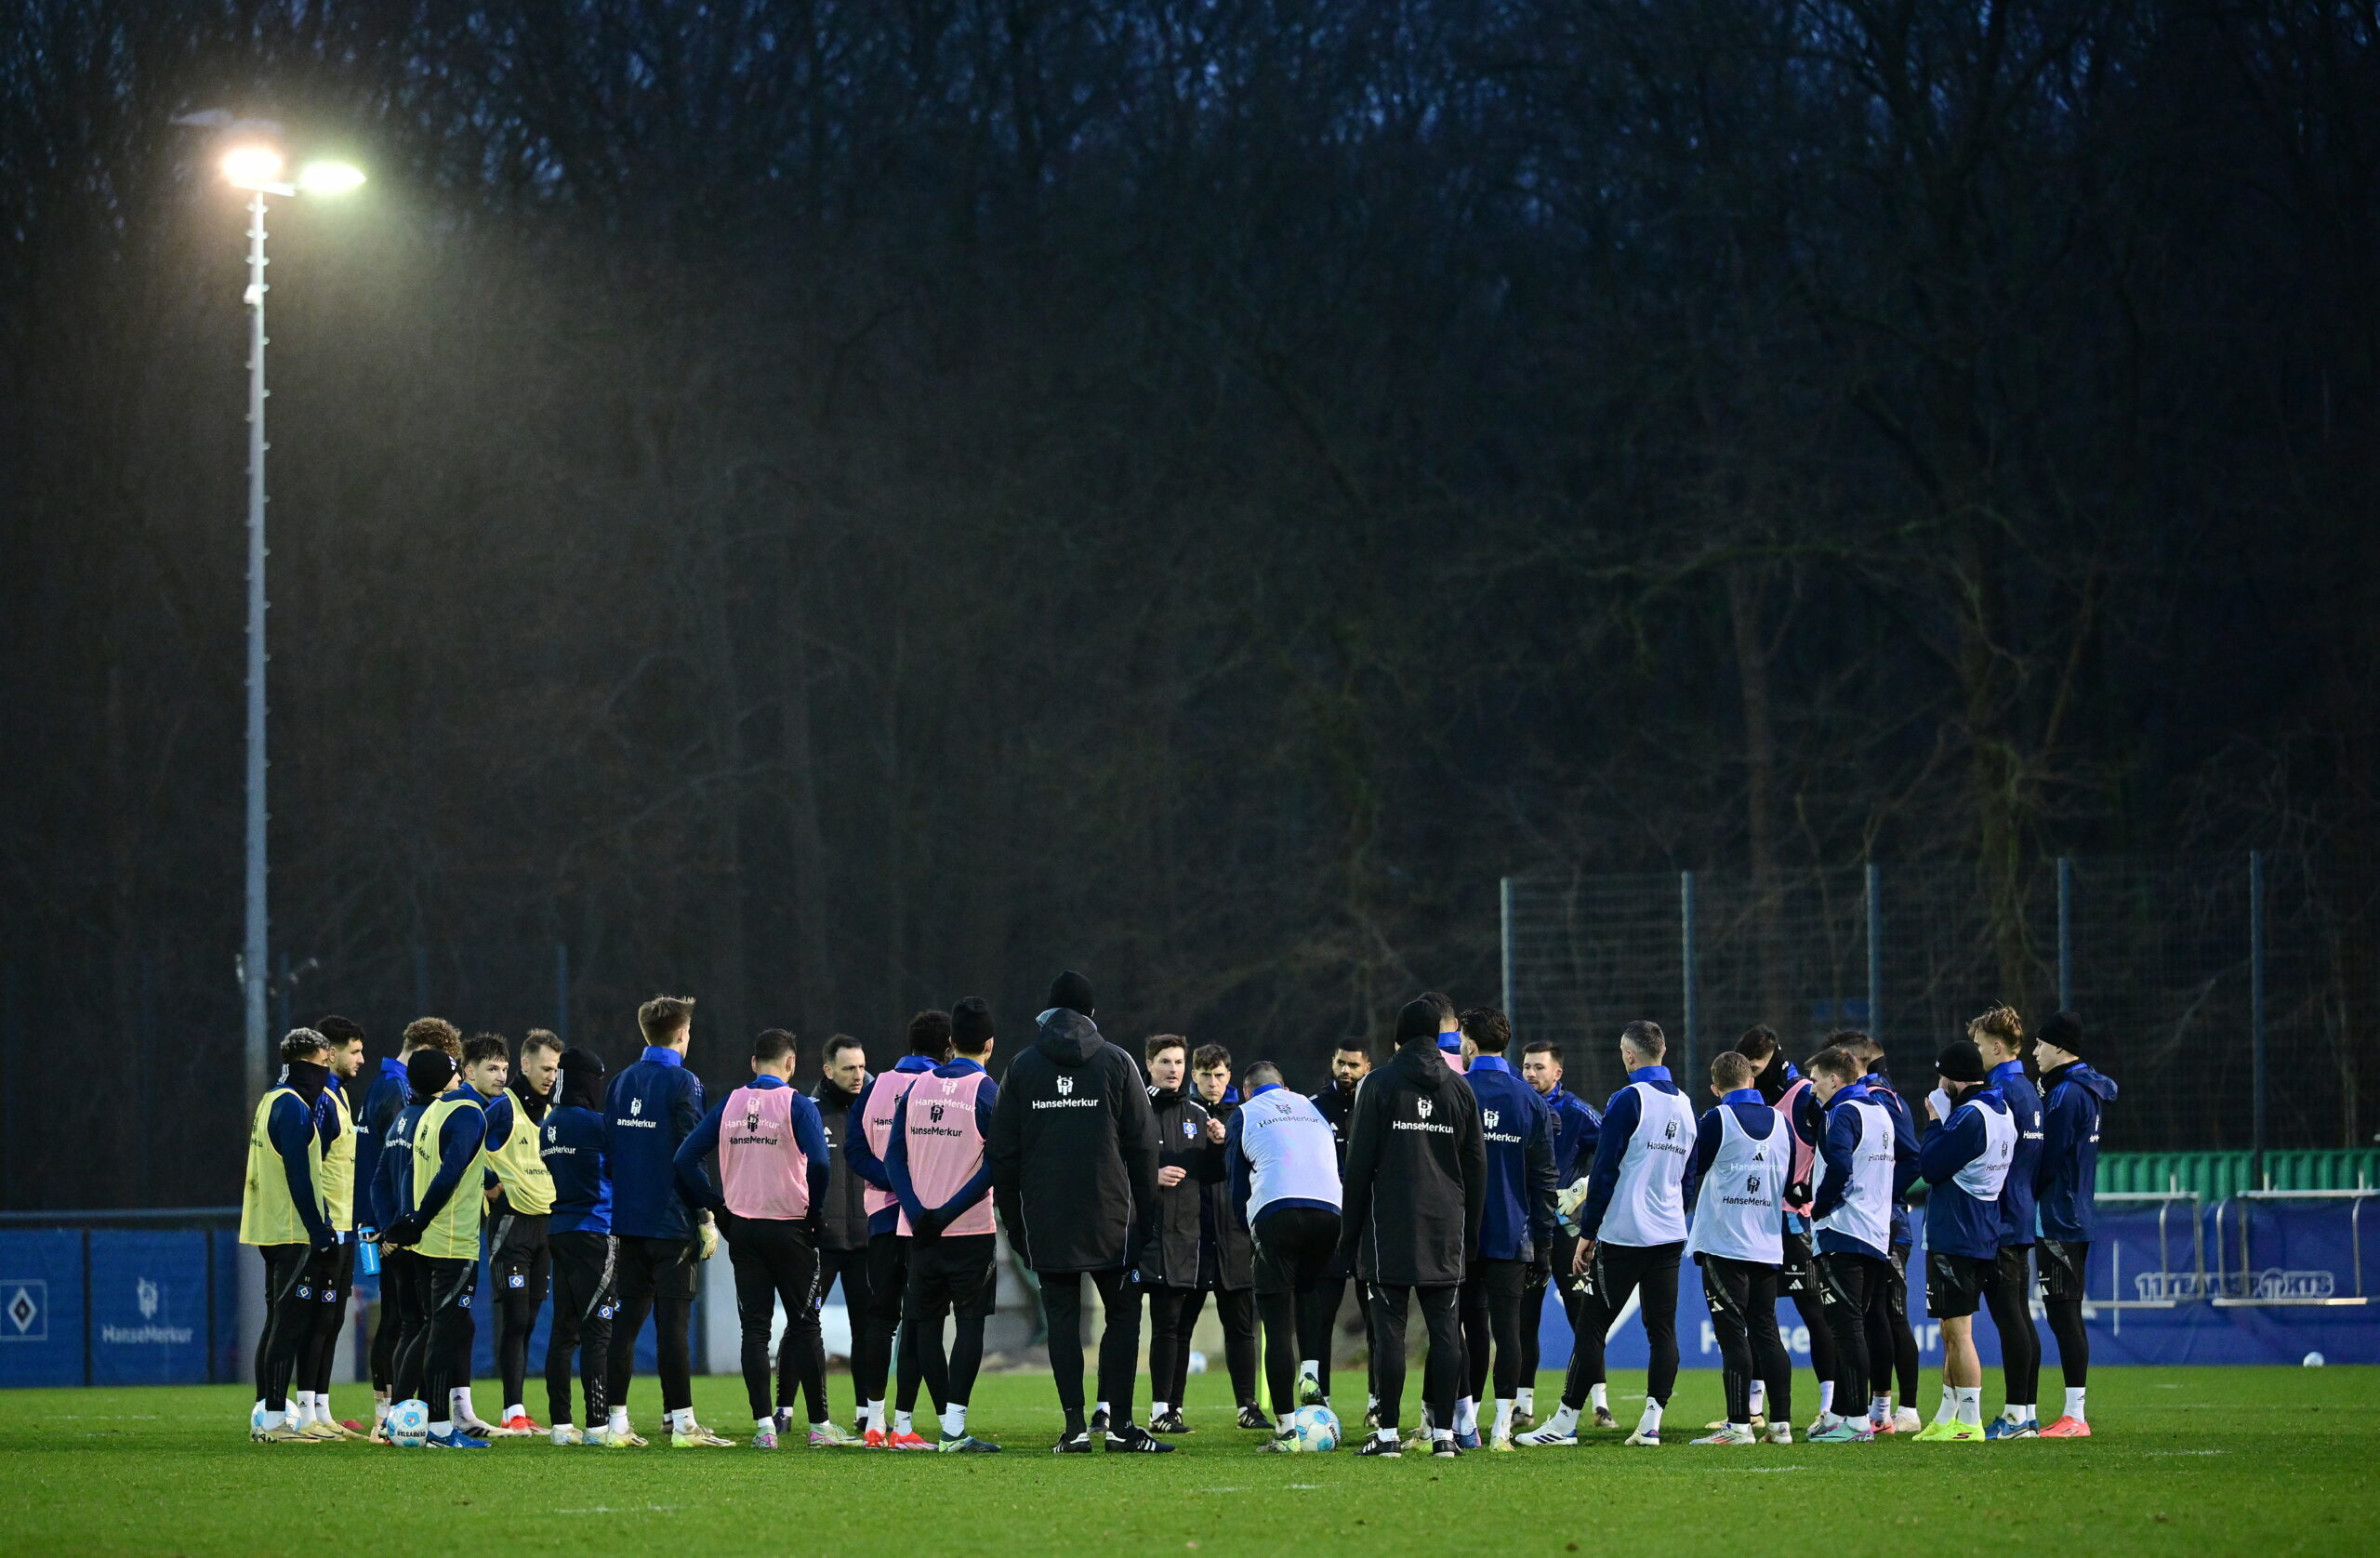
(1853, 1209)
(1636, 1196)
(1280, 1152)
(1740, 1211)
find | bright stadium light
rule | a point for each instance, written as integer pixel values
(329, 177)
(253, 167)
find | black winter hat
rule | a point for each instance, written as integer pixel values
(1071, 991)
(429, 1071)
(971, 1023)
(581, 1083)
(1419, 1019)
(1961, 1061)
(2063, 1029)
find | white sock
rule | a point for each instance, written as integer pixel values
(1466, 1416)
(2074, 1405)
(1826, 1420)
(1597, 1399)
(875, 1416)
(2028, 1412)
(1878, 1407)
(620, 1420)
(380, 1405)
(1310, 1369)
(954, 1421)
(515, 1410)
(1740, 1428)
(767, 1425)
(1103, 1406)
(1759, 1396)
(1445, 1433)
(1948, 1410)
(1159, 1409)
(1826, 1399)
(444, 1429)
(1970, 1408)
(459, 1404)
(1652, 1417)
(1281, 1424)
(563, 1426)
(274, 1419)
(1387, 1433)
(1503, 1416)
(1564, 1419)
(904, 1422)
(1526, 1400)
(1371, 1402)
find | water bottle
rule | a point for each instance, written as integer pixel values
(367, 1252)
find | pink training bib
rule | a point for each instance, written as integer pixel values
(1804, 1152)
(875, 1118)
(945, 1147)
(763, 1171)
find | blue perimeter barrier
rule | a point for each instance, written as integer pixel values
(118, 1306)
(2282, 1275)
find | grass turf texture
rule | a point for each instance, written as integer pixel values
(2187, 1461)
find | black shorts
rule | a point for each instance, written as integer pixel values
(1798, 1275)
(1501, 1281)
(664, 1268)
(2061, 1263)
(1954, 1284)
(1295, 1248)
(517, 1243)
(956, 1270)
(2012, 1269)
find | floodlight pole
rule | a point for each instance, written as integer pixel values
(254, 944)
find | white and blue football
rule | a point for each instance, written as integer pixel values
(1315, 1427)
(409, 1423)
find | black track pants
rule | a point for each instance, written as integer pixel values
(1742, 1300)
(1615, 1271)
(1442, 1375)
(583, 1305)
(288, 1319)
(1119, 1347)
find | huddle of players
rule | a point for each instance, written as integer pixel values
(1797, 1186)
(1404, 1183)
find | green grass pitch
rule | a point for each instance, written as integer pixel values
(2187, 1461)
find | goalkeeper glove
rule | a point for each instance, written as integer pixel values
(707, 1234)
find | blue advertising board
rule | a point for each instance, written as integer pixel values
(149, 1307)
(40, 1307)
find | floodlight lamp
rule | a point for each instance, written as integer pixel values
(329, 177)
(252, 167)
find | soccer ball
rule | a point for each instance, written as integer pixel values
(1315, 1427)
(2313, 1360)
(409, 1423)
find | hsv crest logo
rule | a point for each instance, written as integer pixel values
(1188, 1129)
(1065, 1086)
(933, 1112)
(145, 1292)
(752, 1118)
(636, 1106)
(1752, 1184)
(1669, 1130)
(1423, 1105)
(1491, 1116)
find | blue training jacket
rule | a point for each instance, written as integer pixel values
(572, 1140)
(382, 1102)
(392, 1177)
(650, 1108)
(1956, 1223)
(2067, 1184)
(1517, 1217)
(1575, 1128)
(1881, 1089)
(2017, 1198)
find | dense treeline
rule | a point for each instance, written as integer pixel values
(828, 507)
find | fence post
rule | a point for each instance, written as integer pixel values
(1504, 922)
(2064, 933)
(1875, 953)
(2256, 998)
(562, 993)
(1686, 921)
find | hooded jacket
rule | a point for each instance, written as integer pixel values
(381, 1103)
(2067, 1172)
(1073, 1150)
(572, 1138)
(1171, 1260)
(1416, 1183)
(842, 1224)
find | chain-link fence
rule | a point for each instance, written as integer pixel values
(2183, 981)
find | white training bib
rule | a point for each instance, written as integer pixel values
(1866, 1214)
(1291, 1152)
(1648, 1204)
(1740, 1211)
(1983, 1177)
